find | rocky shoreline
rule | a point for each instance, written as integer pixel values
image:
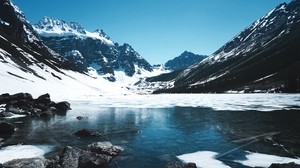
(97, 155)
(25, 104)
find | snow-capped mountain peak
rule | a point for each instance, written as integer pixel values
(49, 27)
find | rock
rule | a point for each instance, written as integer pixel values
(25, 163)
(23, 103)
(45, 98)
(86, 133)
(6, 130)
(105, 148)
(6, 114)
(182, 165)
(50, 112)
(69, 157)
(62, 107)
(93, 160)
(76, 158)
(79, 118)
(285, 165)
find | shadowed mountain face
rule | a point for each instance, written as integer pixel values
(21, 47)
(184, 60)
(90, 49)
(265, 57)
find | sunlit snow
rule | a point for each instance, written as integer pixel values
(264, 160)
(203, 159)
(23, 151)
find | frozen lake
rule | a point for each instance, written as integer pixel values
(213, 130)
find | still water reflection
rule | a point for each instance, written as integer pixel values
(153, 137)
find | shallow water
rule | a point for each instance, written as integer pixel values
(153, 137)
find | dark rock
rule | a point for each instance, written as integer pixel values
(62, 107)
(23, 103)
(14, 110)
(25, 163)
(69, 157)
(105, 148)
(285, 165)
(6, 130)
(50, 112)
(93, 160)
(181, 165)
(6, 114)
(86, 133)
(79, 118)
(77, 158)
(44, 97)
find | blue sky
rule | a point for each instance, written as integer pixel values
(158, 29)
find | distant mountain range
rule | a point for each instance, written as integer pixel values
(90, 49)
(265, 57)
(184, 60)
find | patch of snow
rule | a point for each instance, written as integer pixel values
(264, 77)
(264, 160)
(23, 151)
(211, 78)
(16, 116)
(3, 22)
(203, 159)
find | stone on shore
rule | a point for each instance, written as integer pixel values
(24, 104)
(285, 165)
(25, 163)
(105, 148)
(181, 165)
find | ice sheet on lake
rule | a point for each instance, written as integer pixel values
(23, 151)
(203, 159)
(206, 159)
(233, 102)
(264, 160)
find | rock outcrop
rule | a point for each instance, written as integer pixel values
(24, 104)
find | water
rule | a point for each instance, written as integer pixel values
(152, 137)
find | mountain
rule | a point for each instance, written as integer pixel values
(184, 60)
(90, 49)
(264, 57)
(28, 65)
(23, 45)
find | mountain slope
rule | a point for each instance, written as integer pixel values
(19, 39)
(28, 65)
(184, 60)
(264, 57)
(91, 49)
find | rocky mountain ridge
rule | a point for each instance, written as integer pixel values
(91, 49)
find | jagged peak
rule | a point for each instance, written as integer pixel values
(102, 33)
(59, 26)
(50, 27)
